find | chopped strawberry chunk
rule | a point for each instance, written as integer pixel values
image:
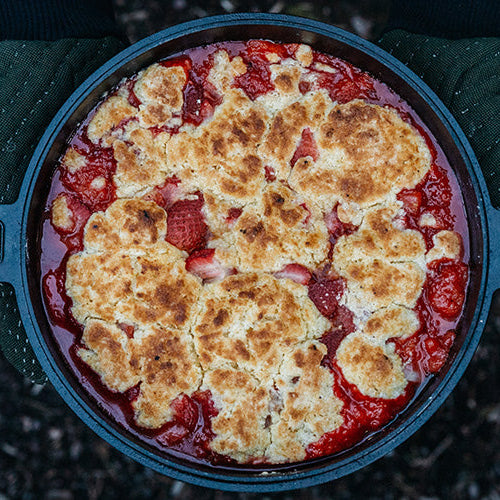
(200, 96)
(54, 290)
(342, 325)
(446, 292)
(308, 213)
(306, 147)
(437, 350)
(295, 272)
(437, 186)
(72, 236)
(412, 200)
(233, 214)
(172, 435)
(325, 294)
(436, 355)
(132, 97)
(133, 393)
(346, 90)
(185, 411)
(129, 330)
(444, 219)
(185, 418)
(346, 83)
(448, 339)
(166, 194)
(270, 173)
(336, 227)
(93, 182)
(257, 79)
(343, 320)
(204, 264)
(186, 228)
(259, 48)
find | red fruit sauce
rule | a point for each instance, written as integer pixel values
(439, 307)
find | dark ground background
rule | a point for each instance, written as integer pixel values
(47, 453)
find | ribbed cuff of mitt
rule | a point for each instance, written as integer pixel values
(57, 19)
(446, 18)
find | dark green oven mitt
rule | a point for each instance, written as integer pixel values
(36, 77)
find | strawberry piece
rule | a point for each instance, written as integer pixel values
(72, 236)
(133, 393)
(342, 325)
(132, 97)
(200, 96)
(325, 294)
(448, 339)
(204, 264)
(185, 411)
(233, 214)
(295, 272)
(333, 223)
(437, 186)
(207, 404)
(412, 200)
(270, 173)
(346, 90)
(437, 355)
(127, 329)
(346, 83)
(306, 147)
(437, 350)
(443, 217)
(166, 194)
(332, 339)
(446, 292)
(185, 419)
(343, 320)
(186, 228)
(305, 86)
(257, 79)
(54, 291)
(172, 435)
(308, 213)
(93, 182)
(336, 227)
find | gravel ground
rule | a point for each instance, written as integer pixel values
(47, 453)
(141, 18)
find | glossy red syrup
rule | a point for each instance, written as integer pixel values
(189, 433)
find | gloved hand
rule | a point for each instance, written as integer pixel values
(460, 62)
(52, 46)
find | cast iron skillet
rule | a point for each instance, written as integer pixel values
(21, 232)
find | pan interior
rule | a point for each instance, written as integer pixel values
(85, 99)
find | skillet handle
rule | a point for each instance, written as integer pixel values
(493, 215)
(10, 243)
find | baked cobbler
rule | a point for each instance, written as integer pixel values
(254, 253)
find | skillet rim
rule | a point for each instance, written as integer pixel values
(273, 481)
